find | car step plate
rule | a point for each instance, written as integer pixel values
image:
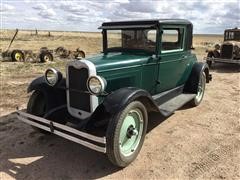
(169, 107)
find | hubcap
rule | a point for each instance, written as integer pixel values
(201, 88)
(46, 58)
(18, 56)
(131, 132)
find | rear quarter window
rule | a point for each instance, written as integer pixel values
(172, 39)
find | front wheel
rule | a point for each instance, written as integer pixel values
(126, 133)
(201, 89)
(209, 63)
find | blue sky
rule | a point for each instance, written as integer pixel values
(72, 15)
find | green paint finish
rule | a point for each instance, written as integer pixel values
(126, 70)
(154, 73)
(129, 70)
(174, 69)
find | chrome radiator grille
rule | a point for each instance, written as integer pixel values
(78, 96)
(227, 51)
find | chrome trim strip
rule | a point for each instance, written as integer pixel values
(24, 117)
(93, 99)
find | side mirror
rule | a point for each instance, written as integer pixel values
(192, 48)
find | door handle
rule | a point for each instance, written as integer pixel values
(184, 57)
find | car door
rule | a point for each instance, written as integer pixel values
(173, 57)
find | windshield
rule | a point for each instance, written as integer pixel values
(232, 35)
(125, 40)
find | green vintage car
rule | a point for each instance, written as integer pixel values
(104, 101)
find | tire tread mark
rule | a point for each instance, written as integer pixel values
(206, 163)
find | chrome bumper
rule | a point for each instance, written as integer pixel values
(85, 139)
(222, 60)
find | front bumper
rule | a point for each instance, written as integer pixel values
(72, 134)
(232, 61)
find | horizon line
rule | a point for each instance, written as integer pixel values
(82, 31)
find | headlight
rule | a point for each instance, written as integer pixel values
(52, 76)
(96, 84)
(236, 48)
(217, 47)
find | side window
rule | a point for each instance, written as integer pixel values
(231, 35)
(226, 35)
(172, 39)
(151, 35)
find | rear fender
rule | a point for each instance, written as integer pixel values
(191, 86)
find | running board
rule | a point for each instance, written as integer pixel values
(172, 105)
(85, 139)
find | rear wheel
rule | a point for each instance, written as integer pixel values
(45, 56)
(79, 54)
(62, 52)
(201, 89)
(126, 133)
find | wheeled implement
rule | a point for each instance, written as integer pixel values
(104, 101)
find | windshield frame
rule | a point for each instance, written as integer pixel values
(119, 49)
(226, 35)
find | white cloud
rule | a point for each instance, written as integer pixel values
(47, 13)
(44, 11)
(40, 6)
(207, 16)
(32, 19)
(6, 8)
(71, 6)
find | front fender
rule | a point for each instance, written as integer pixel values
(40, 83)
(191, 86)
(118, 99)
(36, 84)
(55, 96)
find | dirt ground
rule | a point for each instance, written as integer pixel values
(193, 143)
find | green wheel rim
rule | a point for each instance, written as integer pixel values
(201, 88)
(131, 132)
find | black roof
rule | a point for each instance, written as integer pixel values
(142, 23)
(234, 29)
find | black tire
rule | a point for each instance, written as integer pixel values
(201, 84)
(113, 135)
(209, 63)
(211, 54)
(37, 105)
(62, 52)
(79, 54)
(45, 56)
(17, 55)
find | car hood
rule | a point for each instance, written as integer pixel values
(114, 61)
(232, 42)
